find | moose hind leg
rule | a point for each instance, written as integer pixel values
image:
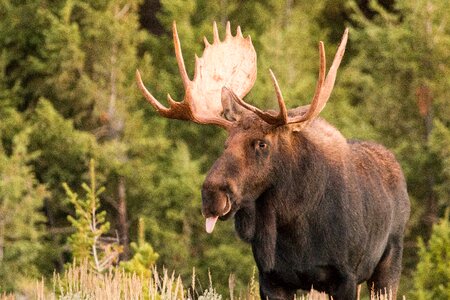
(386, 276)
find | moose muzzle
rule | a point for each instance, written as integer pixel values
(216, 203)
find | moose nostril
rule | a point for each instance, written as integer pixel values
(216, 202)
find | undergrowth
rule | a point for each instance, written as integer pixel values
(81, 281)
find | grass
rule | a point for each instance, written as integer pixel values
(82, 282)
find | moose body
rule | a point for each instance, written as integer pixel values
(319, 211)
(327, 213)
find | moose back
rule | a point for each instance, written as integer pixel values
(318, 210)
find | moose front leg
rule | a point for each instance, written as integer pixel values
(271, 291)
(346, 290)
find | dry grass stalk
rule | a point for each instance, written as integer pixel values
(82, 282)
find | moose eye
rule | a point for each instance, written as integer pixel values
(262, 145)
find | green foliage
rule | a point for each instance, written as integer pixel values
(432, 276)
(144, 256)
(64, 148)
(174, 214)
(90, 227)
(295, 58)
(440, 148)
(21, 221)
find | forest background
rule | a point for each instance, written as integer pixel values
(68, 95)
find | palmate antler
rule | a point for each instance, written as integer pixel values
(230, 63)
(322, 94)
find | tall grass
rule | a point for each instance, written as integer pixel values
(82, 282)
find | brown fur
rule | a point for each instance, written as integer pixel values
(317, 209)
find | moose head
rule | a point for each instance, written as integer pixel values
(223, 76)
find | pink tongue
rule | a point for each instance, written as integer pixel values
(210, 222)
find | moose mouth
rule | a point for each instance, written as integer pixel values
(229, 210)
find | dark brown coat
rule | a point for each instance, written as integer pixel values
(319, 211)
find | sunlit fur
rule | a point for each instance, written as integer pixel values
(318, 210)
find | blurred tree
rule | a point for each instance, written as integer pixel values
(20, 44)
(89, 241)
(144, 257)
(440, 149)
(21, 221)
(63, 154)
(432, 275)
(289, 48)
(90, 54)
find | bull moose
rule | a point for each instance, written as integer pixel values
(318, 210)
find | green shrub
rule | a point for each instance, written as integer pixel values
(432, 276)
(144, 256)
(87, 242)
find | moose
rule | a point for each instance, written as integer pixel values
(319, 210)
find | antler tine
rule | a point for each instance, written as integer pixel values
(205, 40)
(331, 77)
(263, 115)
(268, 117)
(216, 33)
(324, 85)
(228, 31)
(321, 79)
(239, 32)
(315, 102)
(152, 100)
(179, 56)
(282, 116)
(178, 110)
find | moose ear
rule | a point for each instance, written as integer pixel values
(232, 111)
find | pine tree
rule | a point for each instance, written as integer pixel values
(432, 275)
(21, 219)
(89, 241)
(440, 149)
(144, 257)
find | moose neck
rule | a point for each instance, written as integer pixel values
(313, 161)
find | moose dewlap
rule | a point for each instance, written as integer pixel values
(317, 209)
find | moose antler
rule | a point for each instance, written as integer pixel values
(322, 94)
(230, 63)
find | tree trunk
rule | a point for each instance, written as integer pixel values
(123, 220)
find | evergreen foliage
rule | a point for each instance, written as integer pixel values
(88, 242)
(432, 276)
(21, 221)
(144, 256)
